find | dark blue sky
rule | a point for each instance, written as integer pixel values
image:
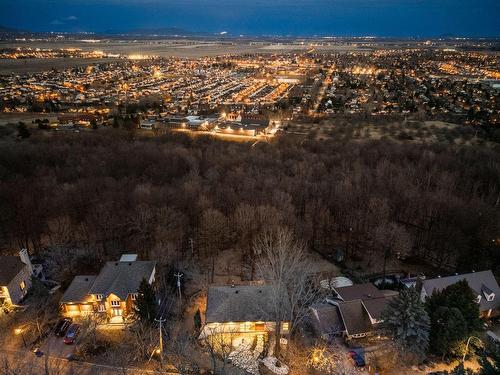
(424, 18)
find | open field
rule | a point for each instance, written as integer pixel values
(182, 48)
(9, 66)
(418, 132)
(27, 117)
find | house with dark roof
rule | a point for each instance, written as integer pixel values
(354, 311)
(483, 284)
(15, 277)
(241, 312)
(112, 292)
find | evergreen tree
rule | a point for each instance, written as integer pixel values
(145, 303)
(38, 290)
(448, 330)
(461, 296)
(490, 365)
(454, 315)
(461, 370)
(407, 320)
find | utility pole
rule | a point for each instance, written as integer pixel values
(191, 244)
(179, 275)
(161, 320)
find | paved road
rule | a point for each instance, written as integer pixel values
(26, 363)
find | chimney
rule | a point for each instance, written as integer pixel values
(25, 258)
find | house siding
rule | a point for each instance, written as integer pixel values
(15, 293)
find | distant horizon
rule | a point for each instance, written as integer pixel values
(162, 31)
(294, 18)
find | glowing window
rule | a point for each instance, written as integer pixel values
(260, 326)
(247, 326)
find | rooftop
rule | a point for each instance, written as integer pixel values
(355, 318)
(121, 278)
(480, 282)
(78, 289)
(243, 303)
(10, 266)
(358, 291)
(327, 319)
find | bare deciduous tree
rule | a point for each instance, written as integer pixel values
(283, 264)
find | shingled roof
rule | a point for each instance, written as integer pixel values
(358, 291)
(480, 282)
(355, 317)
(327, 319)
(244, 303)
(376, 306)
(121, 278)
(10, 266)
(78, 289)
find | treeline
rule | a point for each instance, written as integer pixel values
(175, 197)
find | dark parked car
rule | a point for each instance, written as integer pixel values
(71, 334)
(357, 359)
(62, 326)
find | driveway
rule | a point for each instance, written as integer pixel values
(55, 347)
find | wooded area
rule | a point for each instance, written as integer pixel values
(176, 197)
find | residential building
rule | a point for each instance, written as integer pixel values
(112, 292)
(355, 311)
(241, 313)
(15, 277)
(483, 284)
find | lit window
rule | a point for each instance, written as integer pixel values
(247, 326)
(22, 286)
(102, 307)
(284, 326)
(133, 296)
(98, 297)
(115, 303)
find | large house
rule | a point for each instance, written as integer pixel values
(112, 292)
(354, 311)
(483, 284)
(15, 277)
(240, 313)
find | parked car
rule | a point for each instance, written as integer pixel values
(72, 334)
(357, 359)
(62, 326)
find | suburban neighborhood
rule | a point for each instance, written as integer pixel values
(242, 187)
(231, 327)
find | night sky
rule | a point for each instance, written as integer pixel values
(418, 18)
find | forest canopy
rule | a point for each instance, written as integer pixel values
(105, 192)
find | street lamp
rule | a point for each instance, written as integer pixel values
(19, 331)
(467, 346)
